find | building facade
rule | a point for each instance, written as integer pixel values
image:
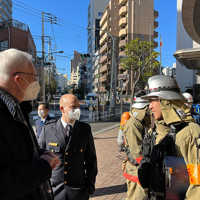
(184, 76)
(95, 10)
(15, 34)
(170, 71)
(79, 73)
(126, 20)
(5, 10)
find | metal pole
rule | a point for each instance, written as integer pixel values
(113, 80)
(160, 55)
(113, 73)
(43, 71)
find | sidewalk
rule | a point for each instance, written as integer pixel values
(110, 183)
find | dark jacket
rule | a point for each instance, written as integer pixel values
(39, 124)
(23, 174)
(78, 166)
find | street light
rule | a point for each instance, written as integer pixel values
(113, 80)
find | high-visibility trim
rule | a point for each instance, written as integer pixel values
(131, 177)
(139, 159)
(194, 173)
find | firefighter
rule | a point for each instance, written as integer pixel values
(168, 105)
(134, 131)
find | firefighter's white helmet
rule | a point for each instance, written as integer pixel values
(140, 103)
(163, 87)
(188, 97)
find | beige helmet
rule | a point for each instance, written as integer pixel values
(163, 87)
(140, 103)
(188, 97)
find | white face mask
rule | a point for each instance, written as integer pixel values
(74, 114)
(41, 113)
(31, 91)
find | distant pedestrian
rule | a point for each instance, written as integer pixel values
(72, 141)
(24, 168)
(43, 110)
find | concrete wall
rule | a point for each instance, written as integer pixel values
(184, 76)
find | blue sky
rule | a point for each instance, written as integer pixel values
(71, 34)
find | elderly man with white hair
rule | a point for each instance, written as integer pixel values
(24, 168)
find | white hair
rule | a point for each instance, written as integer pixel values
(13, 60)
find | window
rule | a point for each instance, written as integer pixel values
(100, 14)
(3, 45)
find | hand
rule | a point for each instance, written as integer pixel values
(51, 158)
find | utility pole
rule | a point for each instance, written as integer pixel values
(113, 71)
(53, 20)
(113, 80)
(43, 61)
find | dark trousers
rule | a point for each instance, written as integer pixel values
(63, 192)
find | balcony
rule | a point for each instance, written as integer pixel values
(190, 58)
(103, 38)
(103, 49)
(103, 18)
(122, 43)
(103, 59)
(103, 68)
(122, 2)
(155, 14)
(155, 34)
(155, 24)
(123, 11)
(122, 32)
(122, 21)
(104, 27)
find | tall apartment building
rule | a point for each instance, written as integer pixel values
(5, 10)
(95, 10)
(126, 20)
(109, 25)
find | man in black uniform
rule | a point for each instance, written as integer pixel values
(72, 141)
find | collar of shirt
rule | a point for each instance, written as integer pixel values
(43, 120)
(65, 124)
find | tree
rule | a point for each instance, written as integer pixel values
(141, 61)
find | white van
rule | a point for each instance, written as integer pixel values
(91, 101)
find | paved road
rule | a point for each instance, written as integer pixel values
(110, 184)
(100, 127)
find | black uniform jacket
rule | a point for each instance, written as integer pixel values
(22, 172)
(78, 168)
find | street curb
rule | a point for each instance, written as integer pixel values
(106, 129)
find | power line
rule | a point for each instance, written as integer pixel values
(27, 6)
(37, 13)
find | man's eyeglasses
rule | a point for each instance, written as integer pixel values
(30, 74)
